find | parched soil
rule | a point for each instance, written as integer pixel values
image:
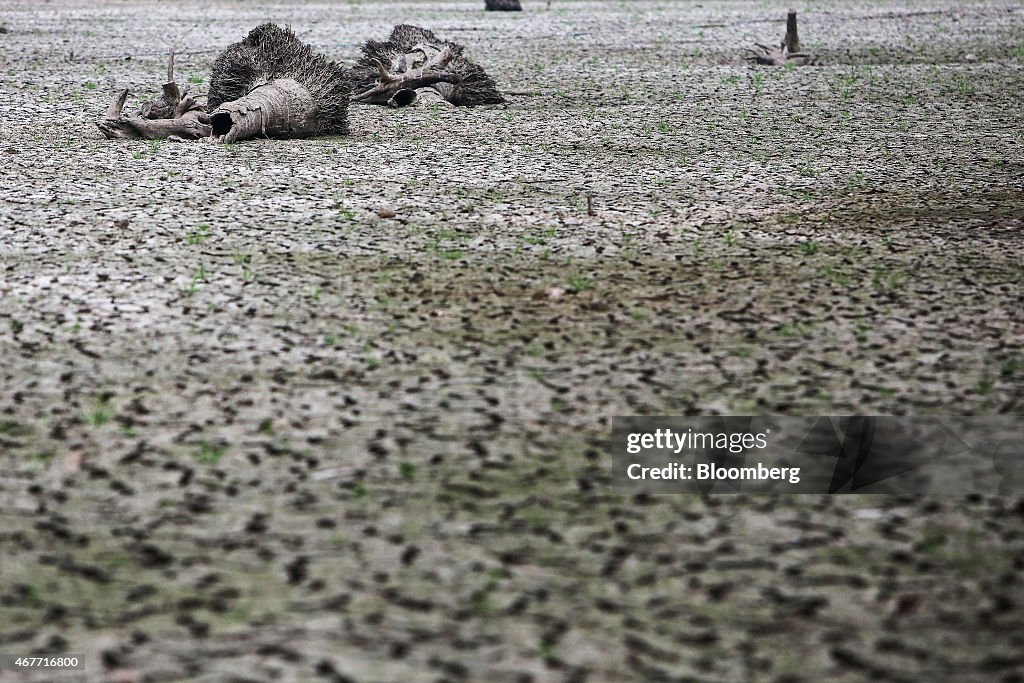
(252, 431)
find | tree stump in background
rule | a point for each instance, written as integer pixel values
(788, 51)
(792, 38)
(502, 5)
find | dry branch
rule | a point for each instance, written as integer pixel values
(163, 107)
(192, 126)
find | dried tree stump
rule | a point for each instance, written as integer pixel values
(788, 51)
(792, 39)
(502, 5)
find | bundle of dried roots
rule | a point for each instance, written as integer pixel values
(414, 62)
(271, 84)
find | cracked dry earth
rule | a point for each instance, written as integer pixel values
(250, 431)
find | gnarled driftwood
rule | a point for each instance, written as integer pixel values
(174, 113)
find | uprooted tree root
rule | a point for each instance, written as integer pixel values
(271, 84)
(412, 65)
(399, 89)
(174, 114)
(788, 51)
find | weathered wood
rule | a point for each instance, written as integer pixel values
(282, 108)
(117, 106)
(189, 121)
(163, 107)
(433, 95)
(174, 113)
(272, 84)
(192, 126)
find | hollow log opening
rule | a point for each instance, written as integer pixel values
(221, 122)
(403, 98)
(283, 108)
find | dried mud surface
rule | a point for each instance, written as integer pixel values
(251, 431)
